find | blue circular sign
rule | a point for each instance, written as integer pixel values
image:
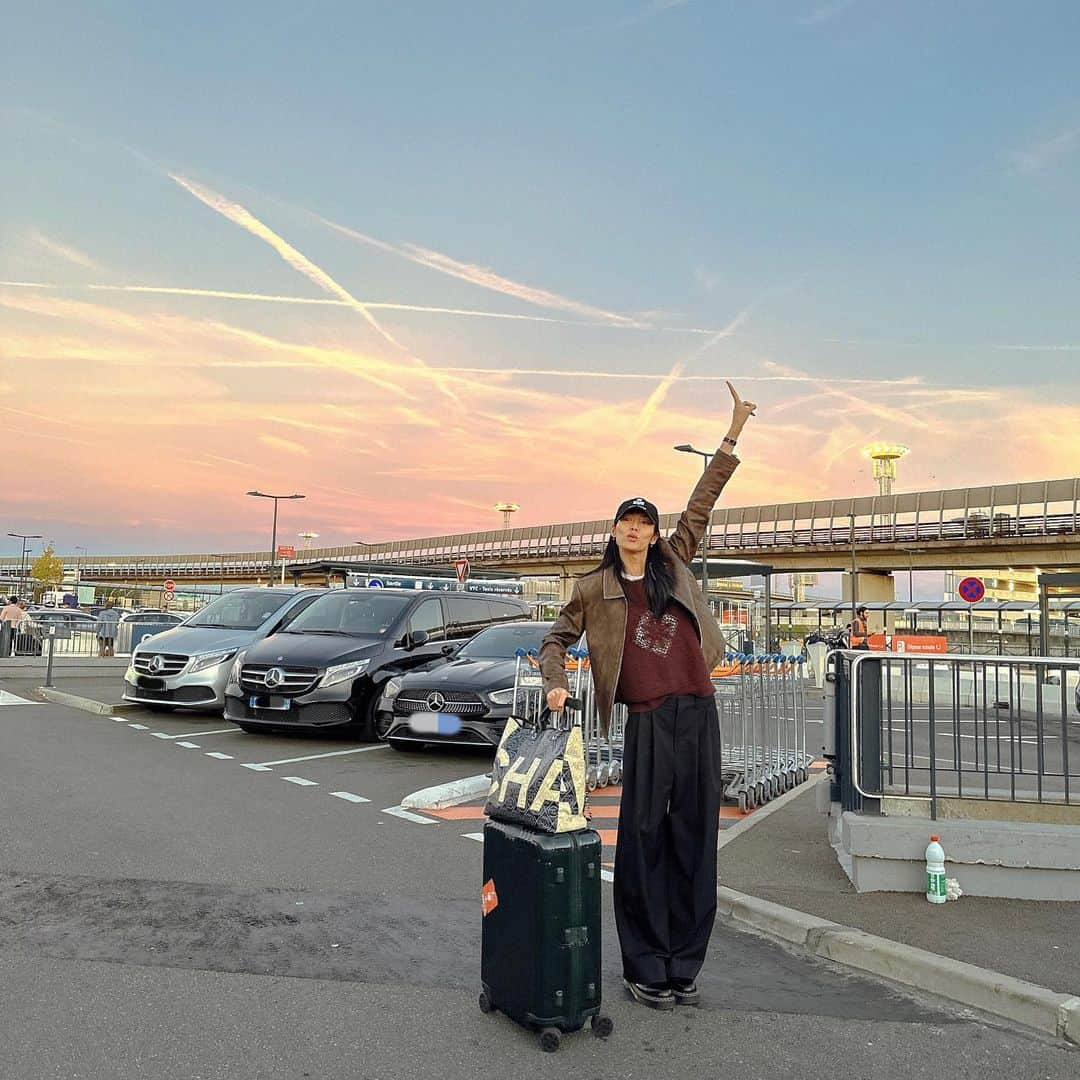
(375, 583)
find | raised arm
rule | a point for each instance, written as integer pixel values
(686, 539)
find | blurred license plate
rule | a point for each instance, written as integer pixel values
(269, 701)
(435, 723)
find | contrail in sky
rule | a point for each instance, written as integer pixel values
(481, 275)
(246, 220)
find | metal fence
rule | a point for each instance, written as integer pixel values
(986, 728)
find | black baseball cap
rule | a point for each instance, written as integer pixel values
(640, 506)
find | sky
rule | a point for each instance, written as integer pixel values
(414, 259)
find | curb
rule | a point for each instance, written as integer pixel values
(451, 794)
(1001, 995)
(58, 697)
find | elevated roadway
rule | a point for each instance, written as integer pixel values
(1020, 525)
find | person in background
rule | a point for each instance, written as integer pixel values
(859, 629)
(108, 621)
(12, 612)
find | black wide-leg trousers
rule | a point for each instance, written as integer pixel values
(665, 856)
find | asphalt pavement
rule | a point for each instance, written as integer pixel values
(170, 911)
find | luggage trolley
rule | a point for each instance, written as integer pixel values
(762, 708)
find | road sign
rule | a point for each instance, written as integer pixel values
(462, 568)
(971, 589)
(375, 583)
(170, 585)
(168, 595)
(286, 551)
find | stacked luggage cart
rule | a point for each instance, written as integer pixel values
(761, 703)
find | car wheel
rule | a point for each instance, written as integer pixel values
(383, 723)
(364, 713)
(406, 746)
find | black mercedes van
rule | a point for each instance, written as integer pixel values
(327, 667)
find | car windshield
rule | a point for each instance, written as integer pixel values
(246, 610)
(502, 642)
(361, 612)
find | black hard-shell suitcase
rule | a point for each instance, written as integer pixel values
(540, 952)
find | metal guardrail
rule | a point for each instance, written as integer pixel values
(989, 728)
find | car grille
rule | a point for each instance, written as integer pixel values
(321, 714)
(458, 702)
(173, 663)
(295, 680)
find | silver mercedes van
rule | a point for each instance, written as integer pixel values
(188, 666)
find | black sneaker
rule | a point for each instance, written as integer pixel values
(684, 991)
(655, 997)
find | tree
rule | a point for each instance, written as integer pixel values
(47, 570)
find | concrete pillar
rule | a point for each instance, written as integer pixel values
(877, 585)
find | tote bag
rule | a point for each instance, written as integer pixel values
(538, 780)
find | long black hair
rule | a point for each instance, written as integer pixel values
(659, 578)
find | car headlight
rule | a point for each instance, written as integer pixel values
(344, 672)
(502, 697)
(392, 689)
(238, 663)
(201, 661)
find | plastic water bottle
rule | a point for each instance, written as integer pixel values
(935, 872)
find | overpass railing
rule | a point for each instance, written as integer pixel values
(999, 512)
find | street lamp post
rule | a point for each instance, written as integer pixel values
(854, 572)
(706, 541)
(22, 559)
(273, 535)
(78, 566)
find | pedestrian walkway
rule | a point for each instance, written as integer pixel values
(786, 858)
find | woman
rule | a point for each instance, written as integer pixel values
(652, 644)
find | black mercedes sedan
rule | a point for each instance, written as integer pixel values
(471, 695)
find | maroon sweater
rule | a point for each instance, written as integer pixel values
(661, 656)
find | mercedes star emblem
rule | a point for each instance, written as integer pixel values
(436, 702)
(157, 662)
(274, 677)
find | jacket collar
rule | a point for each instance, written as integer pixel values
(684, 584)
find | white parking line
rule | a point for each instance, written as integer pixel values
(120, 719)
(220, 757)
(216, 731)
(257, 768)
(348, 796)
(333, 753)
(139, 727)
(189, 745)
(474, 836)
(606, 875)
(301, 781)
(13, 699)
(407, 816)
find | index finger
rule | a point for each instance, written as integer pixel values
(734, 392)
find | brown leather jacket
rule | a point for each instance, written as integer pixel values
(598, 605)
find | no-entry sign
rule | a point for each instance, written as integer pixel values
(971, 589)
(170, 585)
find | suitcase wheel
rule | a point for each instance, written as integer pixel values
(602, 1026)
(485, 1002)
(549, 1039)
